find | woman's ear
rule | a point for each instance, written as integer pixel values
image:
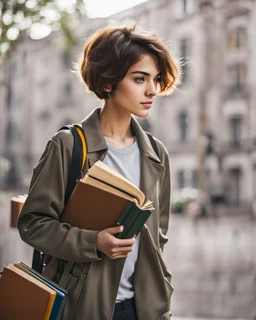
(108, 88)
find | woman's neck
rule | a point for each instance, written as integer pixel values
(115, 125)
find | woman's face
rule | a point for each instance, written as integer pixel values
(136, 92)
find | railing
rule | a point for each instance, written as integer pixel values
(237, 146)
(237, 90)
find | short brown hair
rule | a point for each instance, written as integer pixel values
(111, 51)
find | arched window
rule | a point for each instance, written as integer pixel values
(68, 88)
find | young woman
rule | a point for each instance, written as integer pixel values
(109, 278)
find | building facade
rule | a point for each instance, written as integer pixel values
(208, 124)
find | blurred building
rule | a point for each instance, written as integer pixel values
(208, 124)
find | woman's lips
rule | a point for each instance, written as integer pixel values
(147, 105)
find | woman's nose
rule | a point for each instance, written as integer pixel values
(151, 89)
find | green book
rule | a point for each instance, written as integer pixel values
(132, 220)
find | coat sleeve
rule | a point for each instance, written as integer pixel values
(164, 198)
(38, 222)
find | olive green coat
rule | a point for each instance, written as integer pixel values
(93, 279)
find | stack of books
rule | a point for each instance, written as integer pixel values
(26, 294)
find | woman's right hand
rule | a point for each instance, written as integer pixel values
(114, 248)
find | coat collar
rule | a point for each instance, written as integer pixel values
(96, 141)
(96, 147)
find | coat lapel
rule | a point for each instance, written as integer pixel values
(150, 173)
(96, 146)
(95, 156)
(151, 167)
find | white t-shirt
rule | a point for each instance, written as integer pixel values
(127, 162)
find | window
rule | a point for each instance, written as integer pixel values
(195, 182)
(186, 6)
(236, 131)
(183, 127)
(240, 37)
(235, 186)
(181, 179)
(9, 96)
(254, 181)
(185, 51)
(68, 88)
(238, 77)
(237, 38)
(186, 178)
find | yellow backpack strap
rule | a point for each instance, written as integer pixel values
(82, 136)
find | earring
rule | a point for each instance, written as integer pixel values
(106, 89)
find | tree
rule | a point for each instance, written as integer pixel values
(34, 16)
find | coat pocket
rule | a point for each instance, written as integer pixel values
(73, 283)
(163, 276)
(165, 273)
(165, 316)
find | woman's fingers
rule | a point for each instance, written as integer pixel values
(113, 247)
(120, 252)
(121, 249)
(118, 257)
(124, 242)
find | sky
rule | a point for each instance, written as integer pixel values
(104, 8)
(94, 8)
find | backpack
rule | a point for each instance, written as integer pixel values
(77, 163)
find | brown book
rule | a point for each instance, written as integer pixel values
(24, 297)
(16, 206)
(99, 199)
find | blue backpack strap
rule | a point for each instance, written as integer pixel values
(153, 144)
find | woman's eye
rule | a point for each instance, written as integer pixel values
(158, 80)
(139, 79)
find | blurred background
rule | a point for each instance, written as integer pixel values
(208, 126)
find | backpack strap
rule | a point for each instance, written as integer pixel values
(83, 140)
(77, 163)
(78, 157)
(153, 143)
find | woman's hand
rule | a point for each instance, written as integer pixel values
(114, 248)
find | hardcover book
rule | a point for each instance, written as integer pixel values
(104, 199)
(60, 292)
(24, 297)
